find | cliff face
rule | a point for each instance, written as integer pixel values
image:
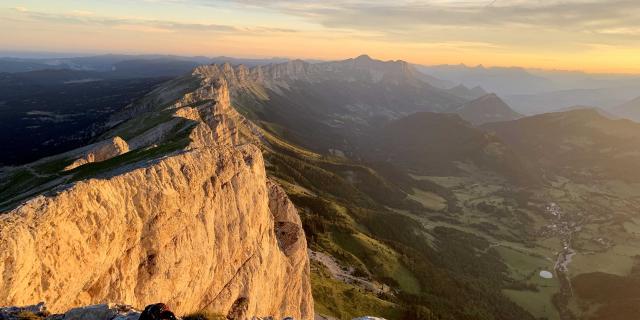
(280, 75)
(199, 228)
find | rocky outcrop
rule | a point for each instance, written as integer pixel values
(105, 311)
(19, 313)
(275, 76)
(200, 228)
(101, 151)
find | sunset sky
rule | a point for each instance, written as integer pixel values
(589, 35)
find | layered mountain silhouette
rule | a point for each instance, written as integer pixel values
(464, 92)
(322, 103)
(487, 108)
(436, 143)
(629, 110)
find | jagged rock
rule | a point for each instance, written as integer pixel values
(195, 228)
(238, 309)
(157, 311)
(103, 312)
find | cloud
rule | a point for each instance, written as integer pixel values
(392, 16)
(82, 13)
(81, 17)
(546, 14)
(408, 17)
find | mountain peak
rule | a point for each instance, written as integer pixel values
(363, 57)
(490, 96)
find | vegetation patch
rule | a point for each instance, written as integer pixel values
(337, 299)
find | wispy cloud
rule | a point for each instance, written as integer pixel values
(393, 17)
(82, 17)
(594, 33)
(82, 13)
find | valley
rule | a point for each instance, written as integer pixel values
(416, 202)
(526, 217)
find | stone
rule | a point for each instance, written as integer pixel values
(157, 311)
(107, 311)
(15, 313)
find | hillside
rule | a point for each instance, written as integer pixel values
(433, 143)
(321, 103)
(629, 110)
(502, 80)
(441, 144)
(485, 109)
(580, 144)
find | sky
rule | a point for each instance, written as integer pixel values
(600, 36)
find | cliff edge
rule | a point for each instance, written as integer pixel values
(185, 215)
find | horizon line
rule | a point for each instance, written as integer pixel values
(71, 54)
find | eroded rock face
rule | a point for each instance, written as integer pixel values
(101, 151)
(199, 229)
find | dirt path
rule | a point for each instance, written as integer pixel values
(346, 274)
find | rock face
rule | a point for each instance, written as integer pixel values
(106, 311)
(200, 228)
(101, 151)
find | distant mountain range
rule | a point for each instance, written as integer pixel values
(605, 98)
(165, 64)
(487, 108)
(315, 101)
(503, 81)
(534, 91)
(527, 91)
(629, 110)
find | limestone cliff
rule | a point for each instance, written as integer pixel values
(102, 151)
(187, 217)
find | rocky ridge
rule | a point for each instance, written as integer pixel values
(186, 216)
(279, 76)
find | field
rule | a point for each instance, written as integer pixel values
(607, 239)
(466, 242)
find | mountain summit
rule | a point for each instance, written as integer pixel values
(488, 108)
